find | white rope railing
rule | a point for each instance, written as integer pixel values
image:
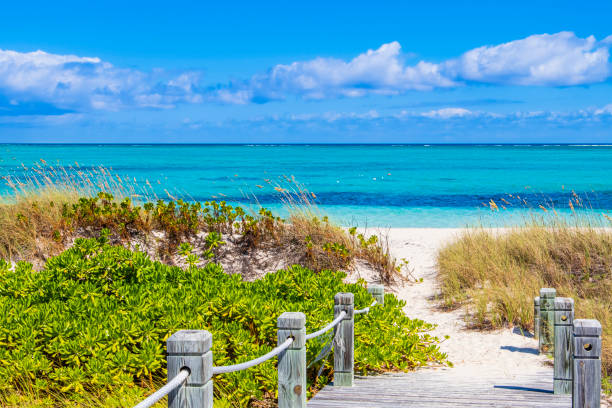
(367, 309)
(330, 326)
(251, 363)
(194, 345)
(165, 390)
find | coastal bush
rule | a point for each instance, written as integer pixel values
(50, 205)
(497, 275)
(90, 327)
(41, 223)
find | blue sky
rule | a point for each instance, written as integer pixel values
(313, 72)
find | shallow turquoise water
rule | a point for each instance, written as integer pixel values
(400, 186)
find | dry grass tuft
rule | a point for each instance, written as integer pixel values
(50, 206)
(496, 274)
(328, 246)
(30, 224)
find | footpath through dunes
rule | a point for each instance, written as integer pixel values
(500, 368)
(503, 354)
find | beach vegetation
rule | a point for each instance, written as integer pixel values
(45, 213)
(89, 327)
(495, 274)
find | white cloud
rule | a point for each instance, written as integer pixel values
(606, 110)
(457, 114)
(380, 71)
(560, 59)
(79, 83)
(448, 113)
(547, 59)
(329, 116)
(74, 82)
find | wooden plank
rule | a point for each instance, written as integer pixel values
(547, 318)
(587, 364)
(564, 322)
(292, 361)
(536, 317)
(377, 292)
(344, 339)
(191, 349)
(441, 388)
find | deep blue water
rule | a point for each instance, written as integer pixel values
(406, 185)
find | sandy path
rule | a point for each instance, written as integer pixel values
(500, 354)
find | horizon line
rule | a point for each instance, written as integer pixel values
(582, 144)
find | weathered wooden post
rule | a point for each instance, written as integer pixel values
(536, 317)
(377, 292)
(191, 349)
(344, 340)
(564, 323)
(586, 392)
(292, 361)
(547, 320)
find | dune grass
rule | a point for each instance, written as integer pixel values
(496, 275)
(51, 206)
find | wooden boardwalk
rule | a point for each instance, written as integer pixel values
(429, 388)
(190, 356)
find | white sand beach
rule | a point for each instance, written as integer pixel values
(502, 353)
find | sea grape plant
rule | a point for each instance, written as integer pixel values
(95, 320)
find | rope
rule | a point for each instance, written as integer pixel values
(249, 364)
(184, 373)
(367, 309)
(328, 327)
(165, 390)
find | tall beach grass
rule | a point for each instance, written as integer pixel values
(495, 274)
(48, 206)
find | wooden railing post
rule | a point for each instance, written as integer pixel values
(586, 392)
(344, 340)
(191, 349)
(547, 320)
(292, 361)
(536, 317)
(564, 324)
(377, 292)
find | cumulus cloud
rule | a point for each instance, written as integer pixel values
(547, 59)
(76, 83)
(380, 71)
(73, 82)
(560, 59)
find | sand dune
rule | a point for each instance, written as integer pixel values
(502, 353)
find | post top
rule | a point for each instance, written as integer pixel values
(376, 288)
(291, 320)
(587, 327)
(189, 342)
(548, 292)
(536, 300)
(344, 298)
(562, 303)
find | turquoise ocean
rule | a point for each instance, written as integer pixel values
(365, 185)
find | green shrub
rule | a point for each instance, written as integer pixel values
(93, 324)
(41, 223)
